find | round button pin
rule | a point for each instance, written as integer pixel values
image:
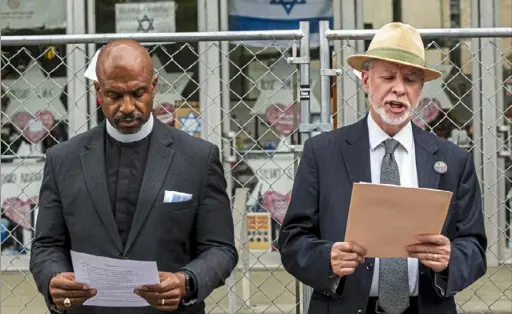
(440, 167)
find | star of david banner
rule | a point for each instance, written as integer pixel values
(257, 15)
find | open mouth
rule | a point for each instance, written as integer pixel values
(397, 106)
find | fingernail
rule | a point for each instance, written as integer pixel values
(144, 288)
(93, 292)
(85, 287)
(136, 291)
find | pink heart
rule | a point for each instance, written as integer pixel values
(427, 111)
(33, 128)
(276, 204)
(280, 116)
(19, 211)
(165, 113)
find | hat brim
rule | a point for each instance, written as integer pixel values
(357, 62)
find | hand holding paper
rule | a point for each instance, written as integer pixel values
(433, 251)
(65, 286)
(385, 219)
(113, 279)
(345, 257)
(166, 295)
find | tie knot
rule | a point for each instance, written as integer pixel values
(390, 144)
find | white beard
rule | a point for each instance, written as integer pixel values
(392, 120)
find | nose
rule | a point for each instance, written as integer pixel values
(399, 86)
(128, 105)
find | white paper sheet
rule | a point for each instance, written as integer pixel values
(114, 279)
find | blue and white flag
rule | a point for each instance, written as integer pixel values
(258, 15)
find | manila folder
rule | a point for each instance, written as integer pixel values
(384, 219)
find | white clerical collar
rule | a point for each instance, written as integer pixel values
(144, 131)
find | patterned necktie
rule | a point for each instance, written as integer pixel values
(393, 272)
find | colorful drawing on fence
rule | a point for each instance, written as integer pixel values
(165, 113)
(33, 127)
(20, 195)
(281, 117)
(276, 204)
(258, 231)
(187, 118)
(426, 112)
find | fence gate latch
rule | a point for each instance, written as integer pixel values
(298, 60)
(331, 72)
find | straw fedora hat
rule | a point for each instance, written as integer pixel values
(398, 43)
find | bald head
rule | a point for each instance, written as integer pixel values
(126, 85)
(125, 55)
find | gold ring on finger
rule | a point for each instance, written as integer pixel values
(67, 302)
(163, 302)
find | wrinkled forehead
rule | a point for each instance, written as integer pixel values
(117, 70)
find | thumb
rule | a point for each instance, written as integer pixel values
(69, 276)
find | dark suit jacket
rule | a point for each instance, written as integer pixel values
(317, 217)
(75, 212)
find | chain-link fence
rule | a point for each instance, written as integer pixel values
(259, 103)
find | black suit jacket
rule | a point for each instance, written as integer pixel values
(317, 217)
(75, 212)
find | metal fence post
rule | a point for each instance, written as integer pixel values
(76, 65)
(305, 120)
(489, 138)
(324, 118)
(325, 81)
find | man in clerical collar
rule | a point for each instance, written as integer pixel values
(133, 188)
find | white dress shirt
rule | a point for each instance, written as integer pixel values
(406, 159)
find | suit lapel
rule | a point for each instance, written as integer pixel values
(357, 153)
(425, 149)
(157, 165)
(93, 168)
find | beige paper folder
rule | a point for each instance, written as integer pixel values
(384, 219)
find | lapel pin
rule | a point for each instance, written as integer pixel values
(440, 167)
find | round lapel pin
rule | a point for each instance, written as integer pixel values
(440, 167)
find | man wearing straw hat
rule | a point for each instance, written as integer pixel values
(384, 147)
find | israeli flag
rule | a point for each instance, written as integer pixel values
(258, 15)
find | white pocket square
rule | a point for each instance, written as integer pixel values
(176, 197)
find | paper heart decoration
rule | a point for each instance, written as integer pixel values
(19, 211)
(165, 113)
(427, 111)
(276, 204)
(280, 117)
(33, 128)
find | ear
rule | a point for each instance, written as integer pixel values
(97, 87)
(154, 85)
(98, 91)
(365, 79)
